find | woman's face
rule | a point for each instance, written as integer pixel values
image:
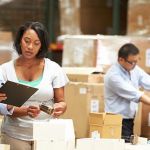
(30, 44)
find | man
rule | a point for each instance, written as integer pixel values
(122, 83)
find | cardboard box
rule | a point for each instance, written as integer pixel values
(138, 121)
(138, 18)
(105, 119)
(142, 120)
(80, 51)
(81, 74)
(81, 99)
(108, 125)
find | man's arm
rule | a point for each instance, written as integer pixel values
(145, 99)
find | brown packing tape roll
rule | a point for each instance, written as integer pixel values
(46, 109)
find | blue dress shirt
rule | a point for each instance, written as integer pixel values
(121, 89)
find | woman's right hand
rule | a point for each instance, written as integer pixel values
(33, 111)
(2, 96)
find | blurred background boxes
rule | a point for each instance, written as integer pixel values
(138, 18)
(85, 74)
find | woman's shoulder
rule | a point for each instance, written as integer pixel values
(7, 64)
(51, 63)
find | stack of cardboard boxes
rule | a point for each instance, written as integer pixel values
(108, 125)
(85, 95)
(97, 51)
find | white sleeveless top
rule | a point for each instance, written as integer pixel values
(53, 77)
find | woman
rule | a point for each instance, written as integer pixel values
(33, 69)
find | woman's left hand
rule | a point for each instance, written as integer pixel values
(59, 109)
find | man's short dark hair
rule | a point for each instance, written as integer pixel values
(128, 49)
(41, 32)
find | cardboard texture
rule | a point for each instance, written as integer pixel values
(138, 18)
(81, 74)
(108, 125)
(81, 99)
(69, 17)
(145, 119)
(138, 121)
(142, 120)
(79, 51)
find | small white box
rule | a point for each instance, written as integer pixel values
(4, 147)
(53, 145)
(97, 144)
(55, 129)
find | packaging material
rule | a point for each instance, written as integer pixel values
(88, 74)
(102, 51)
(83, 98)
(129, 146)
(80, 51)
(4, 147)
(100, 144)
(108, 125)
(138, 140)
(138, 18)
(69, 16)
(54, 145)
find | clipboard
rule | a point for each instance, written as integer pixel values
(17, 94)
